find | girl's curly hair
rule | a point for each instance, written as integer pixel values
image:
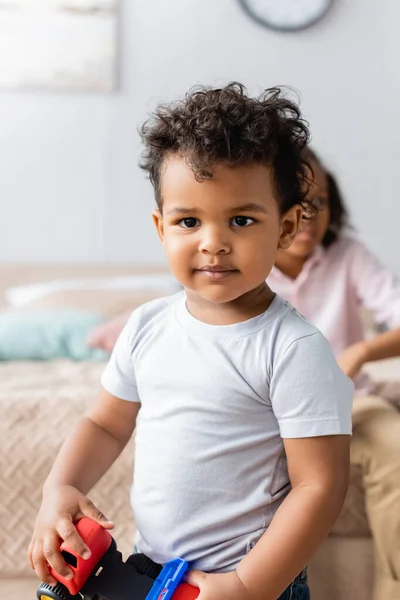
(339, 217)
(225, 126)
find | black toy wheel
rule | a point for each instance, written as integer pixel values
(56, 592)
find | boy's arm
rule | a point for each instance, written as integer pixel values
(319, 473)
(95, 443)
(85, 456)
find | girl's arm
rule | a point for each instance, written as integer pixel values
(319, 472)
(380, 347)
(378, 290)
(386, 345)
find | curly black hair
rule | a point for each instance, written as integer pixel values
(339, 217)
(211, 126)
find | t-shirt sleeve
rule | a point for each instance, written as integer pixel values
(118, 378)
(310, 394)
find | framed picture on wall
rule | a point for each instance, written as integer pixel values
(58, 44)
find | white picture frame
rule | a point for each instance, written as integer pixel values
(58, 45)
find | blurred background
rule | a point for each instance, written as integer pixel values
(70, 187)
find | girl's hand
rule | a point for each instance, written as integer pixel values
(353, 359)
(105, 335)
(61, 507)
(219, 586)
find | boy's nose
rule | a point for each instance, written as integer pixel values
(214, 242)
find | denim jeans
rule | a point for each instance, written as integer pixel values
(298, 590)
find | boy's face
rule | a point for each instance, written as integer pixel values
(221, 235)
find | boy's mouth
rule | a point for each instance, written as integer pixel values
(217, 272)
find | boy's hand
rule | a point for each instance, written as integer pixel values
(61, 507)
(218, 586)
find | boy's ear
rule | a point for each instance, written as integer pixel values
(290, 223)
(159, 223)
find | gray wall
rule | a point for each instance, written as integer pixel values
(70, 188)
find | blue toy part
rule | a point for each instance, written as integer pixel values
(168, 580)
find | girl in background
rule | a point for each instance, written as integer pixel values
(327, 275)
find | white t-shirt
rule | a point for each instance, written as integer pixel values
(216, 401)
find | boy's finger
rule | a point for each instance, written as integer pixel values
(90, 510)
(195, 578)
(68, 533)
(41, 567)
(52, 554)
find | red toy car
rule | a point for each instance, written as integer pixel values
(104, 576)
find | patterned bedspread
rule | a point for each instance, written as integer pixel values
(40, 402)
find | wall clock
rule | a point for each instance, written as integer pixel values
(286, 15)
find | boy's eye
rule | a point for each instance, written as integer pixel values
(189, 223)
(242, 221)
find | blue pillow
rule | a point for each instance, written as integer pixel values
(45, 335)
